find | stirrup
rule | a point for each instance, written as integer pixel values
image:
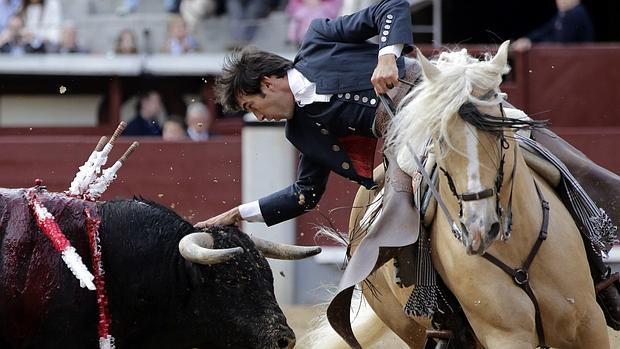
(607, 282)
(441, 337)
(612, 280)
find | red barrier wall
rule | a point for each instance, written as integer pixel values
(197, 179)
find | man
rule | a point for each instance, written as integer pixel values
(328, 97)
(148, 111)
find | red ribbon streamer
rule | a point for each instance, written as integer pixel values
(92, 227)
(47, 224)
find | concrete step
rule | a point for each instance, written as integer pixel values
(213, 34)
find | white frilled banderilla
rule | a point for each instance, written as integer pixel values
(90, 183)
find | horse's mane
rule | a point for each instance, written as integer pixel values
(427, 109)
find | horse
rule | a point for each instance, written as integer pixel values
(487, 184)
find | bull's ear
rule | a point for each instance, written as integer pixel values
(429, 70)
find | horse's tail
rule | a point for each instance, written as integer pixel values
(367, 326)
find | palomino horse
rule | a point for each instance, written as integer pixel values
(487, 180)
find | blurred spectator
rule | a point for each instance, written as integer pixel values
(8, 8)
(43, 19)
(193, 11)
(16, 40)
(126, 43)
(179, 41)
(244, 16)
(174, 130)
(571, 23)
(302, 12)
(198, 121)
(68, 42)
(130, 6)
(149, 110)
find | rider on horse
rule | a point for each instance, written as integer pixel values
(330, 98)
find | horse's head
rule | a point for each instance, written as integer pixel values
(458, 105)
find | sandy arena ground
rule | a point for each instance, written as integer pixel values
(299, 318)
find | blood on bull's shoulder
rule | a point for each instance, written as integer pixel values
(167, 284)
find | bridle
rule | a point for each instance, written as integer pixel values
(472, 116)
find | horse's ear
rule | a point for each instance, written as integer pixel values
(428, 69)
(501, 58)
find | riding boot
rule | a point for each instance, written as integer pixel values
(603, 187)
(399, 217)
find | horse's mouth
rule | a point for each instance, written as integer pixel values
(480, 242)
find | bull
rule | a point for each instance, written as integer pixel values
(168, 286)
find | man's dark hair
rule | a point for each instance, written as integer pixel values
(242, 74)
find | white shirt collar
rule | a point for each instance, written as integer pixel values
(304, 90)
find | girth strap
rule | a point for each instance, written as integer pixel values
(521, 275)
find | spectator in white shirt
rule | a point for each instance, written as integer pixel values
(198, 121)
(43, 19)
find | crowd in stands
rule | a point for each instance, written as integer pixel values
(151, 119)
(38, 26)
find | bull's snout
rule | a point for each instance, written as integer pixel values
(281, 336)
(286, 343)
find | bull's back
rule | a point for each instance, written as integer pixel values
(35, 284)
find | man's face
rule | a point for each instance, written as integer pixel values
(276, 103)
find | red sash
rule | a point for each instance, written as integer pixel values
(361, 151)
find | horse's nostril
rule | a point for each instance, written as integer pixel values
(494, 230)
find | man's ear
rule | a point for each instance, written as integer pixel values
(267, 82)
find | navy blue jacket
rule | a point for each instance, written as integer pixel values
(573, 25)
(336, 56)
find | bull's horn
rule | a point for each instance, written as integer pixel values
(276, 250)
(198, 248)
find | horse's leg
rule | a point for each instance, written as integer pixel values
(509, 339)
(389, 308)
(592, 333)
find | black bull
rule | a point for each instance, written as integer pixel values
(157, 299)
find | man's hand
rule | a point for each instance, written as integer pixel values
(230, 217)
(385, 76)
